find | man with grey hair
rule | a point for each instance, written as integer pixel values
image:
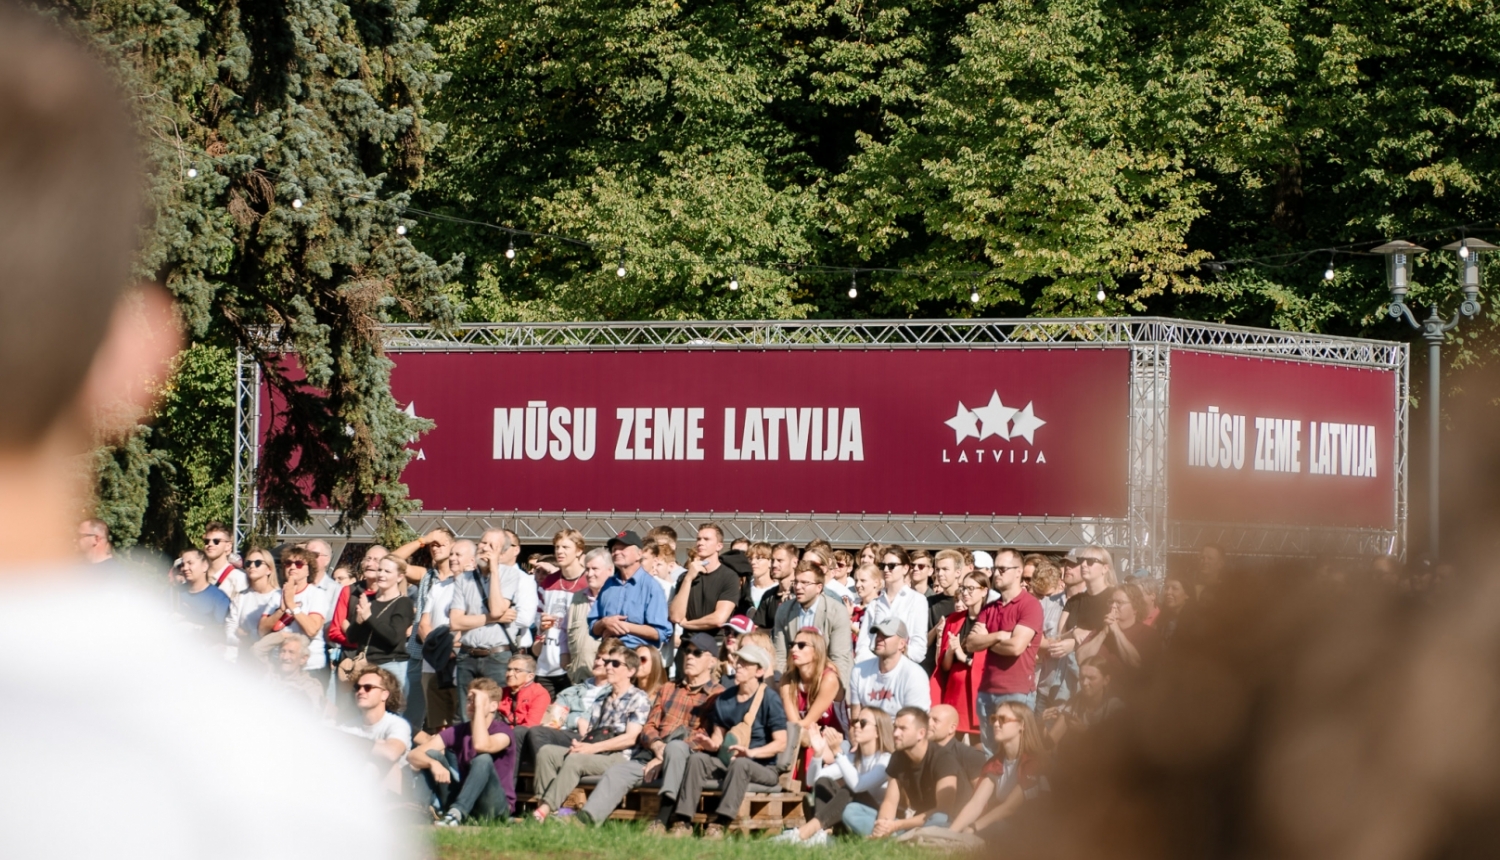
(322, 562)
(494, 607)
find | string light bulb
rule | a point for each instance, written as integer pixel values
(620, 272)
(510, 249)
(734, 283)
(1100, 295)
(974, 297)
(192, 173)
(1328, 274)
(853, 288)
(1463, 252)
(297, 203)
(400, 229)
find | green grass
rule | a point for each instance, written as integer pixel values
(618, 841)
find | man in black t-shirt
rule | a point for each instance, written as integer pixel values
(942, 729)
(708, 590)
(924, 777)
(1083, 614)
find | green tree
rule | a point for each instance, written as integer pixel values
(273, 134)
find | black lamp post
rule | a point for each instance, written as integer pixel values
(1434, 330)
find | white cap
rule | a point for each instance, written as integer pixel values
(984, 560)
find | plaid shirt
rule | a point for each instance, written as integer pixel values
(614, 711)
(677, 706)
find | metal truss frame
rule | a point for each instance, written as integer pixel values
(1145, 536)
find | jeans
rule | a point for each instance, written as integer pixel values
(480, 795)
(988, 703)
(860, 818)
(416, 694)
(831, 797)
(471, 667)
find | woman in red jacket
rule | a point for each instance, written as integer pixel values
(956, 681)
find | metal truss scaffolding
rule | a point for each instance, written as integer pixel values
(1145, 536)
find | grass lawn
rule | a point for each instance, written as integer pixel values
(618, 841)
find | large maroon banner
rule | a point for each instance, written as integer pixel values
(1034, 432)
(1257, 440)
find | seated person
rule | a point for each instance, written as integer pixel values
(614, 724)
(1090, 705)
(889, 681)
(470, 767)
(377, 694)
(745, 731)
(942, 729)
(523, 702)
(923, 777)
(289, 668)
(662, 747)
(854, 772)
(565, 720)
(1012, 777)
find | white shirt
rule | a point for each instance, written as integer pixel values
(174, 756)
(439, 601)
(909, 606)
(234, 580)
(243, 622)
(311, 600)
(389, 726)
(905, 686)
(839, 591)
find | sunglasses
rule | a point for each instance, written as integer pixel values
(215, 541)
(798, 646)
(255, 562)
(1086, 560)
(614, 664)
(888, 565)
(864, 723)
(365, 688)
(972, 588)
(693, 652)
(1006, 567)
(297, 564)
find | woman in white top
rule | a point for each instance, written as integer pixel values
(245, 614)
(856, 772)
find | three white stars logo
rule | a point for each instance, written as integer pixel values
(994, 419)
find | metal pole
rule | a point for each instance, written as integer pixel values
(1434, 389)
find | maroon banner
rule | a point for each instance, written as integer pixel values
(1256, 440)
(1035, 432)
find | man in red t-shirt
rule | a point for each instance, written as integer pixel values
(1008, 629)
(522, 700)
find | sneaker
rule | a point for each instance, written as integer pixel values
(816, 840)
(680, 830)
(656, 828)
(713, 831)
(790, 835)
(453, 819)
(581, 817)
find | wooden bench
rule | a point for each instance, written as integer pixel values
(765, 807)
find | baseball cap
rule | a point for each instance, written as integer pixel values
(891, 626)
(1070, 559)
(704, 642)
(741, 624)
(628, 538)
(983, 559)
(754, 654)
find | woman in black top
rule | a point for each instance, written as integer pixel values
(380, 619)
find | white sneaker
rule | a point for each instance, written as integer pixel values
(816, 840)
(790, 835)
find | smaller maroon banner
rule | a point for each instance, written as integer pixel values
(1257, 440)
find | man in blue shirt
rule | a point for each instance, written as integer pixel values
(201, 606)
(630, 607)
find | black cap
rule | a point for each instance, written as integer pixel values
(705, 642)
(629, 538)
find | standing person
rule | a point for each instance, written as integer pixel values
(377, 695)
(218, 547)
(921, 572)
(941, 601)
(1211, 566)
(201, 607)
(746, 731)
(84, 357)
(784, 560)
(665, 537)
(480, 753)
(556, 592)
(301, 608)
(959, 672)
(380, 621)
(869, 554)
(630, 607)
(839, 585)
(439, 705)
(1174, 603)
(1083, 614)
(811, 609)
(245, 614)
(1091, 705)
(1125, 639)
(760, 583)
(598, 568)
(854, 773)
(1015, 775)
(1055, 676)
(896, 600)
(614, 724)
(94, 543)
(923, 777)
(321, 556)
(338, 623)
(658, 752)
(438, 543)
(866, 590)
(1008, 629)
(888, 680)
(709, 589)
(488, 611)
(1072, 575)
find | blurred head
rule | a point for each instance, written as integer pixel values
(620, 663)
(841, 565)
(867, 584)
(1012, 721)
(439, 543)
(759, 555)
(322, 555)
(1174, 595)
(217, 542)
(343, 575)
(259, 564)
(371, 559)
(1097, 568)
(1121, 610)
(698, 660)
(296, 565)
(869, 554)
(390, 574)
(1093, 678)
(491, 689)
(194, 566)
(1046, 577)
(651, 673)
(291, 655)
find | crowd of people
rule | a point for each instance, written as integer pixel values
(930, 690)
